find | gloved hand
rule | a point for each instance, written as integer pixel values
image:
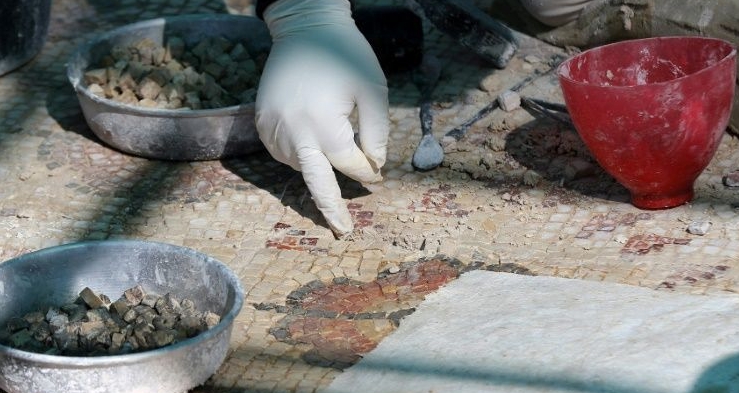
(320, 66)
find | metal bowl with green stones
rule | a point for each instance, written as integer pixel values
(56, 275)
(223, 126)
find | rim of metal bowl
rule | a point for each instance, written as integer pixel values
(59, 361)
(86, 47)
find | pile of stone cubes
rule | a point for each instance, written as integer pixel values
(214, 73)
(94, 326)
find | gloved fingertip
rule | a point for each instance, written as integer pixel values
(341, 225)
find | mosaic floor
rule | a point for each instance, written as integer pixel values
(517, 194)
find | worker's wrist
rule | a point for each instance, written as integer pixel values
(261, 6)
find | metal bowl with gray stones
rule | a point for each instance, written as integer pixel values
(53, 276)
(170, 132)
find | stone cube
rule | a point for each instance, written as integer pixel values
(509, 100)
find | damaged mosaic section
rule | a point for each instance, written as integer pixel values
(341, 320)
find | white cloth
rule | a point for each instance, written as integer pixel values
(320, 67)
(555, 12)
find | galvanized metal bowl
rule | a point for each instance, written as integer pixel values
(168, 134)
(53, 276)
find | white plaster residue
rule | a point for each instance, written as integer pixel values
(705, 19)
(506, 333)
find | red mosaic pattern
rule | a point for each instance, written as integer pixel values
(362, 218)
(696, 277)
(333, 319)
(609, 222)
(336, 342)
(284, 237)
(439, 201)
(383, 293)
(643, 244)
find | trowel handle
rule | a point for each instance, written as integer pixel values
(427, 119)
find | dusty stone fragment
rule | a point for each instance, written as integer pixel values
(91, 329)
(130, 315)
(211, 319)
(103, 331)
(509, 100)
(40, 331)
(176, 46)
(143, 333)
(175, 104)
(16, 323)
(132, 342)
(148, 103)
(97, 76)
(211, 89)
(119, 52)
(133, 296)
(732, 179)
(150, 300)
(532, 59)
(175, 68)
(193, 100)
(67, 339)
(161, 76)
(128, 97)
(161, 338)
(127, 82)
(158, 56)
(238, 52)
(699, 228)
(148, 88)
(190, 325)
(200, 50)
(138, 69)
(91, 298)
(168, 304)
(145, 49)
(57, 319)
(34, 317)
(120, 307)
(113, 74)
(392, 268)
(101, 341)
(173, 91)
(192, 77)
(116, 341)
(188, 307)
(165, 321)
(21, 338)
(76, 312)
(214, 69)
(97, 90)
(99, 314)
(144, 314)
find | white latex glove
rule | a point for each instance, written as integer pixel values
(320, 66)
(555, 12)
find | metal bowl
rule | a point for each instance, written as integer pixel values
(168, 134)
(56, 275)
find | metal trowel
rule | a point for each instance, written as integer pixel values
(429, 154)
